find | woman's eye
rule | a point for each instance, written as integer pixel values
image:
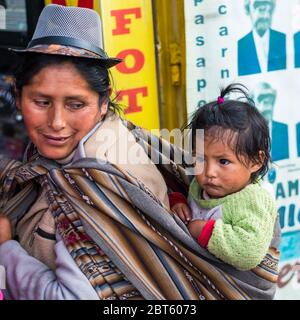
(224, 161)
(75, 106)
(42, 103)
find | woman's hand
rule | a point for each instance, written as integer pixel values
(195, 228)
(183, 212)
(5, 229)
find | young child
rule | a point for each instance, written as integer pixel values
(227, 211)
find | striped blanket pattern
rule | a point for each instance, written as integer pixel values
(125, 241)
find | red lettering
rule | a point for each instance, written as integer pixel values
(86, 4)
(81, 3)
(132, 98)
(61, 2)
(121, 21)
(139, 61)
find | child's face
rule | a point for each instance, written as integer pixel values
(223, 173)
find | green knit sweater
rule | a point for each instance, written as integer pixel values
(243, 236)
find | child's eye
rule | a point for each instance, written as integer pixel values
(224, 161)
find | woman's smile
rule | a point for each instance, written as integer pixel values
(56, 140)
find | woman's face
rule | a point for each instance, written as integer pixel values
(59, 109)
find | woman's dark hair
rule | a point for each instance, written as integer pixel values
(247, 126)
(91, 70)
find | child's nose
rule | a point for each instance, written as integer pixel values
(210, 171)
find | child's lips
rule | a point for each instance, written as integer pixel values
(211, 185)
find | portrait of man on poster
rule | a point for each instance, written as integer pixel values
(264, 97)
(262, 49)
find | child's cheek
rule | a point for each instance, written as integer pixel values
(199, 178)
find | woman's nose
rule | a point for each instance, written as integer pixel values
(56, 118)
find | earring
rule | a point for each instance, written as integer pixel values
(18, 115)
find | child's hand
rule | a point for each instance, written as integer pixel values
(5, 229)
(183, 212)
(195, 227)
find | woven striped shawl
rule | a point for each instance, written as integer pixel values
(99, 209)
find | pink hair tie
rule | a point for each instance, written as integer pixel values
(220, 100)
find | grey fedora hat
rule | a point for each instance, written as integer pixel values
(70, 31)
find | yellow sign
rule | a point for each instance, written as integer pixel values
(128, 34)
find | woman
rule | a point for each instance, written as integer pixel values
(89, 211)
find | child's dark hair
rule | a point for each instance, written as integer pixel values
(243, 120)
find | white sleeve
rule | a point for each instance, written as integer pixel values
(196, 212)
(29, 279)
(204, 214)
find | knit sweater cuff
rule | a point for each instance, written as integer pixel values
(176, 197)
(206, 233)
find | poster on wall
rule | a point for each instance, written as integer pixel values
(256, 43)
